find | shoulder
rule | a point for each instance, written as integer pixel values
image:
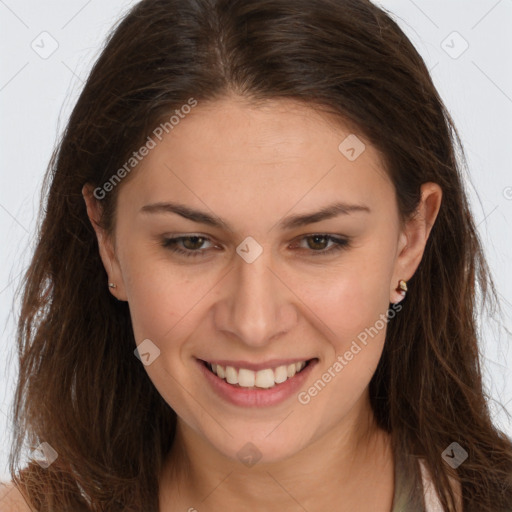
(11, 499)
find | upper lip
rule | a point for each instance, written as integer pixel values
(271, 363)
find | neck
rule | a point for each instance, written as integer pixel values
(348, 465)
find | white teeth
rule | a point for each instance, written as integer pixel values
(220, 371)
(280, 374)
(231, 375)
(266, 378)
(299, 366)
(246, 378)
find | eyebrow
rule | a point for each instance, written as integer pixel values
(290, 222)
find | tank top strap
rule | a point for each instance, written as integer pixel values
(432, 502)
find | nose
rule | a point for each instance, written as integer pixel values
(256, 305)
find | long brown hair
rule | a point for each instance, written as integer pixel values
(81, 389)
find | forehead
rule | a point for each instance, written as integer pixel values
(279, 150)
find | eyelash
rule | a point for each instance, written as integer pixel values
(171, 244)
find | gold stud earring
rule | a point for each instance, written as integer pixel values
(402, 287)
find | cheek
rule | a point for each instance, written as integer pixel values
(160, 295)
(163, 304)
(352, 298)
(354, 309)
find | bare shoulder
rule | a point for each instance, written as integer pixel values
(11, 499)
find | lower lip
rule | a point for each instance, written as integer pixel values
(257, 397)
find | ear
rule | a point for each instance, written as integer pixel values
(414, 236)
(105, 243)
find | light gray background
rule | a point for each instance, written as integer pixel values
(37, 94)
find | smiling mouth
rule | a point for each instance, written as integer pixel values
(262, 379)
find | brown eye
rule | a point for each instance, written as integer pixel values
(191, 245)
(318, 244)
(195, 242)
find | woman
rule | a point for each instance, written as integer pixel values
(254, 284)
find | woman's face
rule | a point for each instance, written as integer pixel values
(252, 286)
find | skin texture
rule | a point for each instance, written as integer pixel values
(12, 500)
(253, 166)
